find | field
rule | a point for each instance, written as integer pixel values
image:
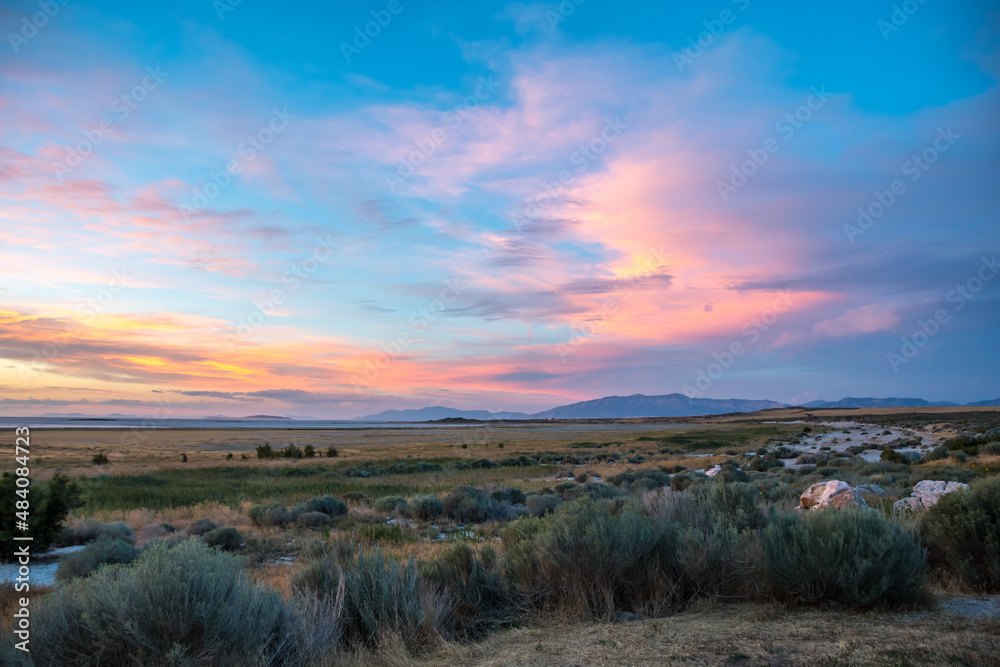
(161, 483)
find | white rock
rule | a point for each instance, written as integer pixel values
(926, 495)
(833, 492)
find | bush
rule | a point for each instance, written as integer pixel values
(186, 604)
(962, 532)
(269, 515)
(91, 529)
(508, 495)
(309, 451)
(476, 590)
(201, 526)
(425, 507)
(327, 505)
(540, 505)
(313, 520)
(390, 503)
(227, 539)
(331, 452)
(50, 505)
(469, 504)
(381, 596)
(100, 459)
(892, 456)
(105, 551)
(850, 556)
(589, 562)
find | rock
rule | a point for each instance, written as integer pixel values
(871, 490)
(627, 617)
(926, 495)
(833, 492)
(712, 472)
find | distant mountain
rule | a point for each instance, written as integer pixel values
(264, 417)
(438, 412)
(879, 403)
(640, 405)
(985, 404)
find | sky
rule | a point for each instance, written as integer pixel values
(332, 209)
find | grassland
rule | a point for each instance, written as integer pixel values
(178, 477)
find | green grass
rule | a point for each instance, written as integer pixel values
(231, 485)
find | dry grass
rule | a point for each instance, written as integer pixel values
(741, 635)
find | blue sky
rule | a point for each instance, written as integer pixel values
(499, 205)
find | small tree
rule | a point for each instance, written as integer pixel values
(309, 451)
(331, 452)
(99, 459)
(50, 505)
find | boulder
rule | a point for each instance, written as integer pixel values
(833, 492)
(926, 495)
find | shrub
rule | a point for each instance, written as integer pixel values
(269, 515)
(91, 529)
(850, 556)
(425, 507)
(390, 503)
(381, 595)
(962, 532)
(990, 448)
(309, 451)
(327, 505)
(264, 451)
(227, 539)
(589, 562)
(331, 452)
(201, 526)
(476, 590)
(313, 520)
(100, 459)
(469, 504)
(892, 456)
(105, 551)
(50, 504)
(186, 604)
(540, 505)
(508, 495)
(687, 478)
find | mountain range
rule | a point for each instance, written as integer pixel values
(609, 407)
(640, 405)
